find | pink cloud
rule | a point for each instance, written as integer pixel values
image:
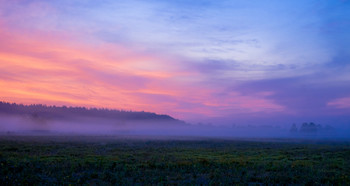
(56, 67)
(341, 103)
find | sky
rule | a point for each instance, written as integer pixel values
(219, 62)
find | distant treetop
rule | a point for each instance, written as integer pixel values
(64, 112)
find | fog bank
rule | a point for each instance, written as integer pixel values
(27, 125)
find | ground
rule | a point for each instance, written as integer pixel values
(107, 160)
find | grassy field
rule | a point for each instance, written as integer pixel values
(137, 161)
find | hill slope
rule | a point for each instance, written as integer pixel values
(69, 113)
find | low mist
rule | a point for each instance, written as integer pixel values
(29, 125)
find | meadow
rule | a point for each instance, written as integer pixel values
(108, 160)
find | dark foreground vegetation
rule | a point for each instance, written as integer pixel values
(129, 161)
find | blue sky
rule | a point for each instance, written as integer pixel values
(203, 59)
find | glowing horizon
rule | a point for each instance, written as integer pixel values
(192, 61)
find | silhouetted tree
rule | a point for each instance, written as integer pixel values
(294, 128)
(308, 128)
(64, 112)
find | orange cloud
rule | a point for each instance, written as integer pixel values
(63, 69)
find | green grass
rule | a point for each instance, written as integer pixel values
(132, 161)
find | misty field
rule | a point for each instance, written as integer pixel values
(66, 160)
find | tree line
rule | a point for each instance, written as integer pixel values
(65, 112)
(309, 128)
